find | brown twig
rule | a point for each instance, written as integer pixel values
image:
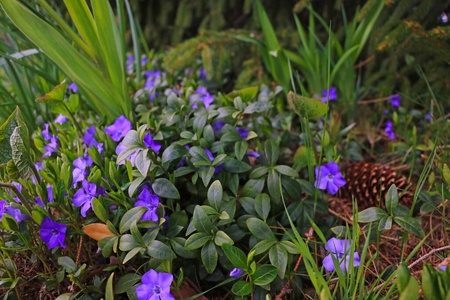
(376, 100)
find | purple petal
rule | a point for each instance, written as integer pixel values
(150, 278)
(339, 180)
(332, 188)
(328, 263)
(165, 280)
(79, 198)
(211, 157)
(80, 163)
(332, 167)
(144, 291)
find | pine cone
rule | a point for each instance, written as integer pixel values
(365, 180)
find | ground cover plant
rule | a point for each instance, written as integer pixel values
(132, 174)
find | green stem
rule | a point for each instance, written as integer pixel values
(73, 119)
(36, 173)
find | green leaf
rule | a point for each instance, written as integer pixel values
(260, 229)
(165, 189)
(100, 210)
(173, 152)
(410, 224)
(132, 139)
(392, 199)
(125, 153)
(160, 250)
(259, 172)
(285, 170)
(279, 257)
(430, 284)
(253, 187)
(197, 240)
(9, 223)
(371, 214)
(108, 244)
(264, 274)
(135, 184)
(215, 194)
(20, 152)
(109, 293)
(6, 131)
(236, 166)
(67, 264)
(126, 282)
(242, 288)
(130, 216)
(272, 152)
(202, 223)
(131, 254)
(142, 162)
(235, 255)
(246, 94)
(222, 238)
(307, 107)
(403, 275)
(56, 95)
(127, 242)
(385, 223)
(240, 148)
(273, 184)
(209, 257)
(411, 291)
(262, 205)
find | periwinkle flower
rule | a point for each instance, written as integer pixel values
(150, 201)
(443, 268)
(395, 100)
(80, 170)
(211, 158)
(83, 197)
(49, 198)
(119, 129)
(389, 130)
(253, 154)
(243, 132)
(386, 111)
(45, 133)
(53, 233)
(217, 126)
(236, 273)
(155, 286)
(89, 139)
(207, 99)
(202, 74)
(428, 117)
(51, 147)
(328, 178)
(73, 87)
(61, 119)
(2, 208)
(151, 144)
(16, 213)
(329, 96)
(152, 96)
(340, 250)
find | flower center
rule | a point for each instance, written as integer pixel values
(330, 176)
(156, 290)
(55, 231)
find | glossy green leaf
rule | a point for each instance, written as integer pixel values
(264, 274)
(160, 250)
(222, 238)
(246, 94)
(235, 255)
(410, 224)
(165, 189)
(209, 257)
(126, 282)
(392, 199)
(242, 288)
(130, 216)
(109, 292)
(260, 229)
(201, 221)
(67, 264)
(371, 214)
(215, 194)
(279, 258)
(262, 205)
(272, 152)
(197, 240)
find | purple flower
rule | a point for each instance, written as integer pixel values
(146, 199)
(45, 133)
(19, 188)
(83, 197)
(428, 117)
(150, 143)
(217, 126)
(386, 111)
(330, 179)
(131, 158)
(49, 198)
(253, 154)
(144, 61)
(51, 147)
(243, 132)
(91, 141)
(152, 96)
(207, 99)
(155, 286)
(73, 87)
(389, 130)
(119, 129)
(395, 100)
(2, 208)
(53, 233)
(331, 96)
(236, 273)
(130, 58)
(80, 170)
(202, 74)
(443, 268)
(16, 213)
(339, 249)
(211, 158)
(61, 119)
